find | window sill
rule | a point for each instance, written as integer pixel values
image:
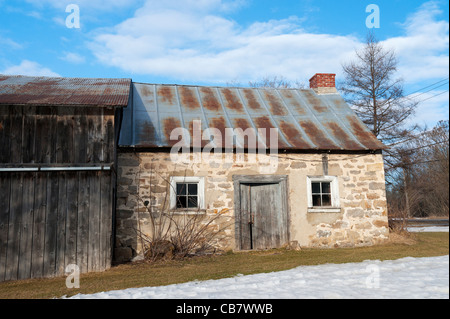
(324, 210)
(188, 211)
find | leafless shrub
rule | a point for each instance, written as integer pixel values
(172, 233)
(181, 234)
(398, 217)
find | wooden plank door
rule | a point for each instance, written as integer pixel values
(263, 217)
(245, 219)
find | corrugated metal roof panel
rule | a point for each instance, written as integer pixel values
(304, 120)
(28, 90)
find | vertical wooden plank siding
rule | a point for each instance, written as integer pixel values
(54, 219)
(83, 221)
(44, 136)
(16, 130)
(51, 225)
(80, 134)
(49, 220)
(94, 222)
(5, 133)
(5, 189)
(71, 219)
(246, 239)
(26, 226)
(14, 229)
(38, 235)
(29, 135)
(105, 220)
(5, 186)
(52, 118)
(61, 223)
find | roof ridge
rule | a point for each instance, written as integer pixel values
(223, 87)
(60, 77)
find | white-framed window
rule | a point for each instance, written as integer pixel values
(323, 194)
(187, 193)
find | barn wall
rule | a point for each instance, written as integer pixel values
(49, 220)
(56, 135)
(362, 219)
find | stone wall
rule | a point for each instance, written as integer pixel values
(361, 220)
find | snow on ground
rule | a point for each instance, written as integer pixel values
(421, 278)
(411, 278)
(431, 229)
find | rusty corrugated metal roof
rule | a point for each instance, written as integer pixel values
(305, 120)
(28, 90)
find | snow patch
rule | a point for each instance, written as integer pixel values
(412, 278)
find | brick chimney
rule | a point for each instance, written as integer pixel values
(323, 83)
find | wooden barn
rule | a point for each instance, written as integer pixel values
(58, 166)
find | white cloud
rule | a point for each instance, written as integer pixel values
(73, 58)
(192, 40)
(29, 68)
(196, 43)
(99, 5)
(35, 14)
(433, 109)
(10, 43)
(193, 6)
(423, 50)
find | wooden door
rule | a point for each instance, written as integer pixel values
(263, 217)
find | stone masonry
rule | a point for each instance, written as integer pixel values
(361, 220)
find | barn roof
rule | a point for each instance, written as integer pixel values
(27, 90)
(304, 119)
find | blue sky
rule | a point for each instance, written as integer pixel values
(215, 42)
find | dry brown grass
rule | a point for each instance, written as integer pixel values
(147, 274)
(403, 237)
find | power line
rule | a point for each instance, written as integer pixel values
(433, 96)
(434, 88)
(428, 86)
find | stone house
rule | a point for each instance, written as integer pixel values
(273, 167)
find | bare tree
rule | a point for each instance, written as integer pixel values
(422, 186)
(369, 86)
(275, 82)
(429, 172)
(377, 96)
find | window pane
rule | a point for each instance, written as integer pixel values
(326, 188)
(181, 201)
(192, 202)
(192, 189)
(316, 200)
(326, 200)
(315, 188)
(181, 189)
